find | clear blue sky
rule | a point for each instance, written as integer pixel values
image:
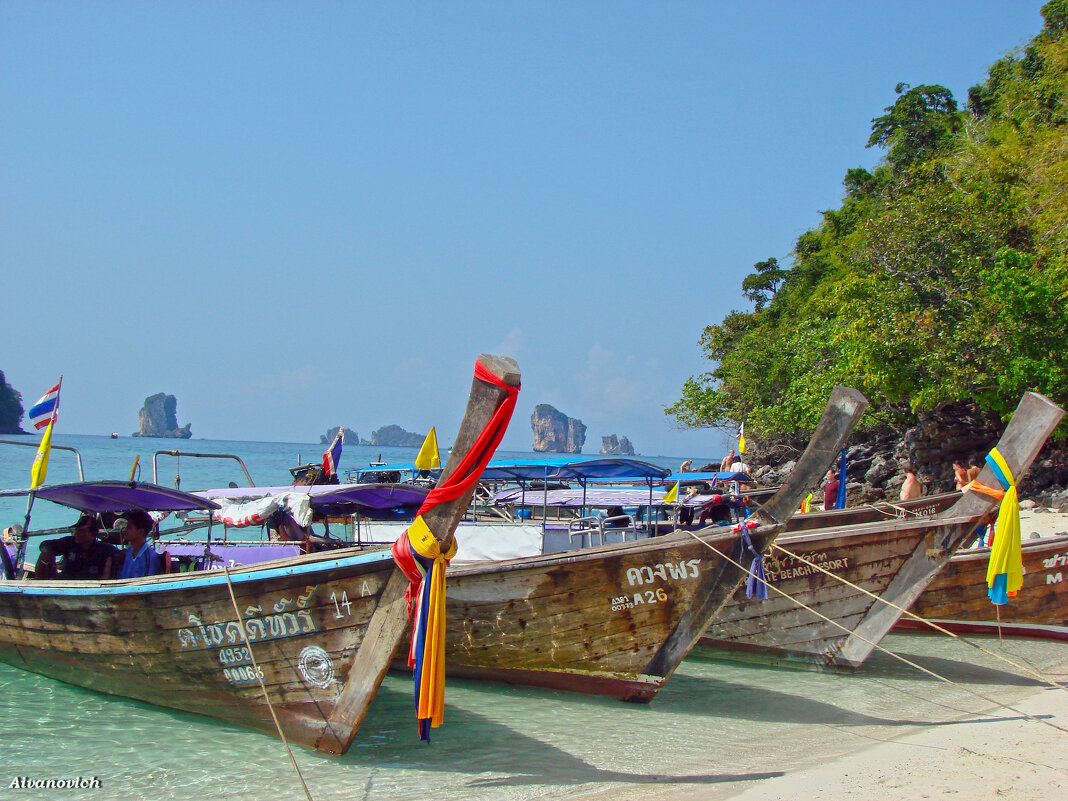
(295, 215)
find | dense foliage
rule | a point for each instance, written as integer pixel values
(10, 408)
(942, 277)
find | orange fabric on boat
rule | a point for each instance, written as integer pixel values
(418, 554)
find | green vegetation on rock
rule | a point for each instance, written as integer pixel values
(942, 277)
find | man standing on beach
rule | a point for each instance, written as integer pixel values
(830, 491)
(912, 488)
(728, 460)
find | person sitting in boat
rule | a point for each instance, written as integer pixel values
(84, 556)
(716, 511)
(140, 558)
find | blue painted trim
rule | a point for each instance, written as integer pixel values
(207, 579)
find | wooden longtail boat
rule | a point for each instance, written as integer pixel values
(615, 619)
(321, 629)
(957, 599)
(927, 506)
(894, 560)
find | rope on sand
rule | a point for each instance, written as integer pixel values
(875, 645)
(263, 687)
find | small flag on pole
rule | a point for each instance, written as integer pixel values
(741, 437)
(333, 454)
(44, 411)
(672, 495)
(428, 458)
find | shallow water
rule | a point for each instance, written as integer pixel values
(716, 725)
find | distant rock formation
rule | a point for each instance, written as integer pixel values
(610, 446)
(328, 437)
(555, 432)
(396, 437)
(158, 418)
(11, 410)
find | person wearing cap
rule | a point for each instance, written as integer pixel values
(140, 557)
(84, 556)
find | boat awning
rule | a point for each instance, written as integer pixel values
(118, 496)
(594, 469)
(364, 496)
(694, 478)
(599, 497)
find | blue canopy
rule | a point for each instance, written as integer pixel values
(684, 478)
(118, 496)
(563, 468)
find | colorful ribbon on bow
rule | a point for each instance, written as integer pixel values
(1004, 573)
(417, 552)
(756, 585)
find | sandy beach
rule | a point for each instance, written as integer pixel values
(1012, 750)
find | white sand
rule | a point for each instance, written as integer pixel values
(1006, 760)
(1001, 756)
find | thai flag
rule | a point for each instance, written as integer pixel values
(41, 413)
(333, 453)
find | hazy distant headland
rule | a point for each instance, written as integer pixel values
(158, 418)
(11, 410)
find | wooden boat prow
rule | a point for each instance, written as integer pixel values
(323, 627)
(615, 619)
(893, 560)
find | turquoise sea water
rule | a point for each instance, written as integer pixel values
(714, 729)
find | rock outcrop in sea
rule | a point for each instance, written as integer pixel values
(11, 410)
(394, 436)
(328, 437)
(613, 446)
(555, 432)
(159, 418)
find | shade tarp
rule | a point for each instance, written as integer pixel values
(564, 468)
(118, 496)
(363, 496)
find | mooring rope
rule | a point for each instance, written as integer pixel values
(875, 645)
(263, 687)
(914, 616)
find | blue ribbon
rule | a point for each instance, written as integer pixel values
(755, 586)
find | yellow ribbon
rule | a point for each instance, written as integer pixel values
(432, 681)
(1006, 553)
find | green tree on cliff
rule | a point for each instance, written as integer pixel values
(942, 276)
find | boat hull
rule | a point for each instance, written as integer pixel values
(872, 556)
(957, 599)
(315, 626)
(613, 620)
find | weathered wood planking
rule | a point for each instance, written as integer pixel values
(323, 628)
(615, 619)
(957, 598)
(895, 560)
(886, 511)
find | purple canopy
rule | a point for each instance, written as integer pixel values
(118, 496)
(368, 496)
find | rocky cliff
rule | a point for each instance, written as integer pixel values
(328, 437)
(11, 410)
(555, 432)
(159, 418)
(611, 446)
(396, 437)
(951, 433)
